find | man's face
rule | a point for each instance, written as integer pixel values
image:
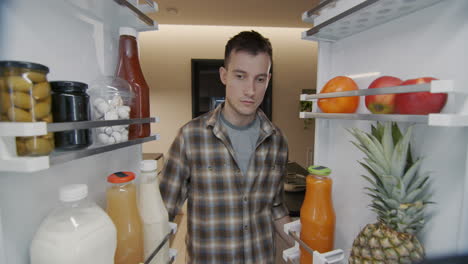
(246, 79)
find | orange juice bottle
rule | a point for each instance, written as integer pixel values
(122, 209)
(317, 214)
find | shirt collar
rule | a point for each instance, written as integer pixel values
(265, 124)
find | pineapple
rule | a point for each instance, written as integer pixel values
(399, 195)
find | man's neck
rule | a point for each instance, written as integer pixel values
(236, 119)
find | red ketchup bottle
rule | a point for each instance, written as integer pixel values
(128, 68)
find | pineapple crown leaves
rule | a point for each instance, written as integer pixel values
(398, 190)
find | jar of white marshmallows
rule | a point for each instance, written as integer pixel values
(111, 99)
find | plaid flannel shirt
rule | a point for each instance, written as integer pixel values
(230, 215)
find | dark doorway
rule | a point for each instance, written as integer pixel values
(208, 90)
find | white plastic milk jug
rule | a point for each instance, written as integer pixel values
(78, 231)
(153, 213)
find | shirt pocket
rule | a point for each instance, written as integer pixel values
(212, 177)
(269, 176)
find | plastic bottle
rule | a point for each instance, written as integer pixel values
(122, 209)
(153, 213)
(317, 213)
(128, 68)
(76, 232)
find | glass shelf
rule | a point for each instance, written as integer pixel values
(10, 130)
(140, 10)
(372, 117)
(347, 18)
(31, 164)
(25, 129)
(438, 86)
(57, 157)
(122, 13)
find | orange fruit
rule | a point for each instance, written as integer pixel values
(339, 104)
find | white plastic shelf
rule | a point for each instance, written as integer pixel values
(342, 18)
(293, 254)
(459, 119)
(9, 161)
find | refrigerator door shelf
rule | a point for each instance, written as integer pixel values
(12, 163)
(436, 86)
(26, 129)
(457, 119)
(442, 120)
(172, 252)
(310, 15)
(350, 17)
(140, 10)
(123, 13)
(172, 255)
(293, 254)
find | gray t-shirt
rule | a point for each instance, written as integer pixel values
(243, 140)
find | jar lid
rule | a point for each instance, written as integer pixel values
(73, 192)
(23, 64)
(148, 165)
(68, 86)
(319, 170)
(121, 177)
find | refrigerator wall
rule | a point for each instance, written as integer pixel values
(78, 41)
(427, 43)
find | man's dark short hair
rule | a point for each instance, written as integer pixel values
(249, 41)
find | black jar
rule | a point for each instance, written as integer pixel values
(70, 103)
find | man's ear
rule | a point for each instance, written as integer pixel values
(223, 74)
(268, 80)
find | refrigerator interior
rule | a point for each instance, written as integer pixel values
(427, 43)
(78, 41)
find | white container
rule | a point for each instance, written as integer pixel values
(78, 231)
(153, 213)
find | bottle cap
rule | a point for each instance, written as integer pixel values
(148, 165)
(73, 192)
(128, 31)
(121, 177)
(319, 170)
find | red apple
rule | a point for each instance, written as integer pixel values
(420, 103)
(382, 103)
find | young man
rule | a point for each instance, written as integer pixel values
(230, 164)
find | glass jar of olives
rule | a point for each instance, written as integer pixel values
(25, 97)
